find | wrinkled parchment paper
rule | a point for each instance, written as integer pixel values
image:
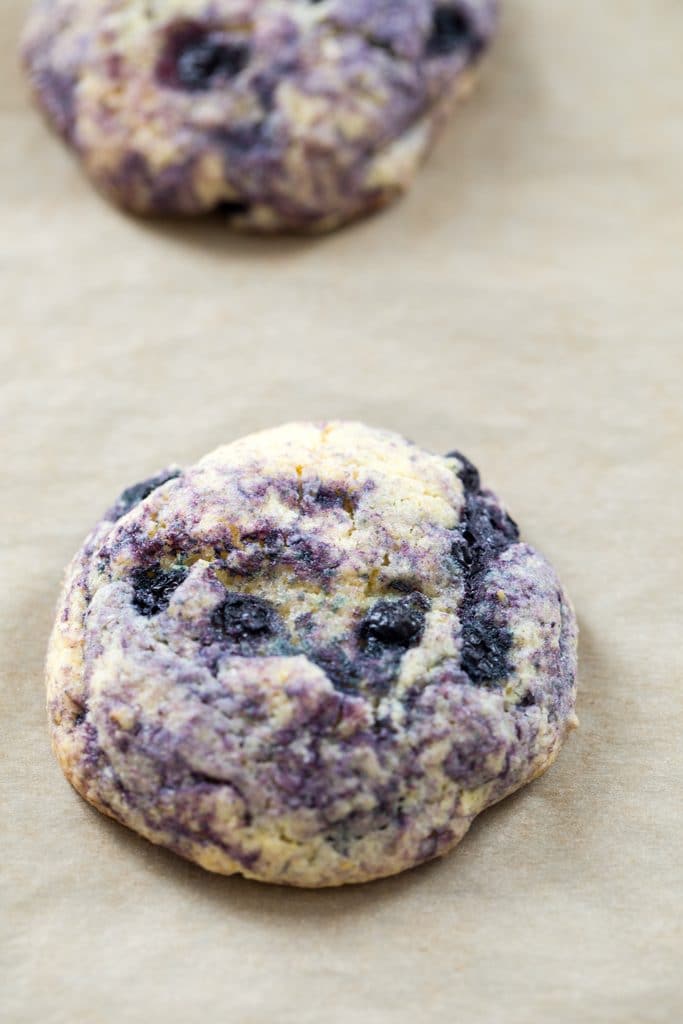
(524, 304)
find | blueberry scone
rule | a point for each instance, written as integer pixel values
(283, 114)
(312, 658)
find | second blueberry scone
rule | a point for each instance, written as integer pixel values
(285, 114)
(312, 658)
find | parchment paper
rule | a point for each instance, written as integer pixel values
(524, 304)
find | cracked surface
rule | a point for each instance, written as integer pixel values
(282, 114)
(311, 658)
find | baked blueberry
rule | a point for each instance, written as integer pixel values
(244, 619)
(153, 588)
(468, 472)
(454, 30)
(485, 649)
(197, 59)
(485, 531)
(396, 624)
(138, 492)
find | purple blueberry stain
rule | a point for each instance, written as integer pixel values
(337, 666)
(329, 496)
(57, 91)
(250, 137)
(477, 742)
(432, 844)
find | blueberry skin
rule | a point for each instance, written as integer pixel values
(484, 533)
(453, 30)
(242, 619)
(205, 61)
(197, 59)
(393, 625)
(485, 648)
(133, 495)
(468, 474)
(153, 588)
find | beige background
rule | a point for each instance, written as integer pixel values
(525, 303)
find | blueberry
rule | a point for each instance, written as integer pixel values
(393, 625)
(205, 60)
(243, 619)
(138, 492)
(461, 551)
(485, 531)
(230, 208)
(468, 473)
(485, 648)
(152, 588)
(453, 30)
(196, 58)
(488, 531)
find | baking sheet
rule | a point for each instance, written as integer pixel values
(524, 304)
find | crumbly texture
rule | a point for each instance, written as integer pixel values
(312, 658)
(283, 114)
